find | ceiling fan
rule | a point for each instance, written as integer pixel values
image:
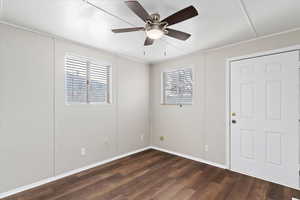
(155, 28)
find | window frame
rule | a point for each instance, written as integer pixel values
(162, 85)
(109, 82)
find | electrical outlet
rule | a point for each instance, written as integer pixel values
(206, 148)
(83, 151)
(142, 137)
(162, 138)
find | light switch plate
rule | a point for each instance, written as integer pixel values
(206, 148)
(83, 151)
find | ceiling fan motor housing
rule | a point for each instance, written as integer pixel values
(155, 23)
(155, 18)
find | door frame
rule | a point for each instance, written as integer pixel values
(228, 91)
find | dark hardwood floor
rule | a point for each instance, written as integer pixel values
(154, 175)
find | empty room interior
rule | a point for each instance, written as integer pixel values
(149, 100)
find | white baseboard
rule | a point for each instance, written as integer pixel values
(190, 157)
(51, 179)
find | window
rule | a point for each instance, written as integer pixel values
(178, 86)
(86, 81)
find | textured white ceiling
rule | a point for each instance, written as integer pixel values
(274, 16)
(219, 23)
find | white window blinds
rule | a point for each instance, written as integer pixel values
(178, 86)
(86, 81)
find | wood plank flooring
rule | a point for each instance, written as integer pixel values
(155, 175)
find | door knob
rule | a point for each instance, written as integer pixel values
(233, 121)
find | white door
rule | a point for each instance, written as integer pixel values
(264, 118)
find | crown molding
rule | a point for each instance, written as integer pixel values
(56, 37)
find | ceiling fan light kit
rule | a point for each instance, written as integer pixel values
(154, 33)
(156, 28)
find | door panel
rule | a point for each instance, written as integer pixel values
(247, 144)
(274, 148)
(264, 108)
(273, 100)
(247, 100)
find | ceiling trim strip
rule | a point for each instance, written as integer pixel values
(248, 18)
(107, 12)
(251, 40)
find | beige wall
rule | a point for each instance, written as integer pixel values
(40, 136)
(183, 128)
(26, 108)
(188, 129)
(103, 130)
(133, 106)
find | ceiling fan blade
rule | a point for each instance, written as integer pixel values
(138, 9)
(125, 30)
(148, 41)
(181, 15)
(178, 34)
